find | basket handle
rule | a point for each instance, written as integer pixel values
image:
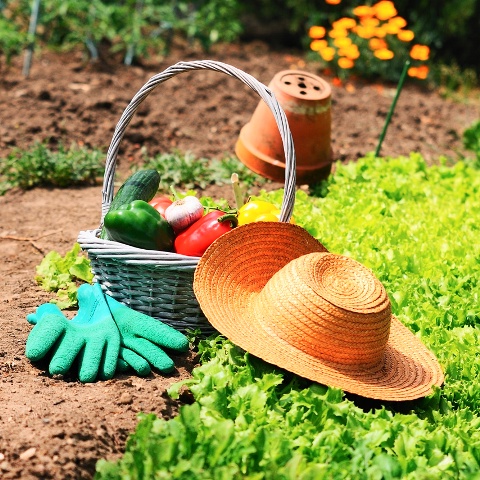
(264, 92)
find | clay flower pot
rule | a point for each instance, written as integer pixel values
(306, 100)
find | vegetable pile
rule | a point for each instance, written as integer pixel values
(417, 228)
(184, 225)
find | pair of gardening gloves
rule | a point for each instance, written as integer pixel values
(104, 337)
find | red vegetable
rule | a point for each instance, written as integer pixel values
(200, 235)
(161, 203)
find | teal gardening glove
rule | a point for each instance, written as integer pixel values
(141, 336)
(91, 337)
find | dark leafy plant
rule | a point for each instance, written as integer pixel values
(41, 166)
(187, 170)
(12, 39)
(177, 168)
(210, 21)
(221, 172)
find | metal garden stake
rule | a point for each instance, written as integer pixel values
(392, 106)
(32, 28)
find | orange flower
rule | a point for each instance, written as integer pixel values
(338, 33)
(377, 44)
(384, 54)
(369, 22)
(345, 63)
(337, 82)
(384, 10)
(420, 52)
(365, 32)
(400, 21)
(342, 42)
(351, 52)
(391, 28)
(420, 72)
(363, 11)
(316, 32)
(380, 32)
(333, 2)
(327, 53)
(317, 45)
(344, 23)
(405, 35)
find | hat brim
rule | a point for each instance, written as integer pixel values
(236, 267)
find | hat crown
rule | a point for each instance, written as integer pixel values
(329, 306)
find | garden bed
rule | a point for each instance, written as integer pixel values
(52, 428)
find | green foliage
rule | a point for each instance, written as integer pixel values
(133, 27)
(417, 228)
(471, 140)
(124, 25)
(210, 22)
(188, 171)
(62, 275)
(12, 39)
(41, 166)
(221, 172)
(138, 27)
(177, 168)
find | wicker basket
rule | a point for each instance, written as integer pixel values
(159, 283)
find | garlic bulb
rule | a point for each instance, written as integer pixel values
(182, 213)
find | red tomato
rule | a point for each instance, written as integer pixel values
(161, 203)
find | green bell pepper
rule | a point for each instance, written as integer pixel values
(138, 224)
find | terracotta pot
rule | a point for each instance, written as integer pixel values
(306, 99)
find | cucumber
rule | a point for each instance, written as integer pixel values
(142, 185)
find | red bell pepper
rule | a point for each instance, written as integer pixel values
(200, 235)
(161, 203)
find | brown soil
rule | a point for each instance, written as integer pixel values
(59, 428)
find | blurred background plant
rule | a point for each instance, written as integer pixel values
(471, 141)
(41, 167)
(371, 39)
(13, 33)
(374, 41)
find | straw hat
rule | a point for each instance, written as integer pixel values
(276, 292)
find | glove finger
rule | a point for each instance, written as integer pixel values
(150, 352)
(85, 294)
(41, 311)
(44, 335)
(156, 331)
(32, 318)
(135, 361)
(122, 366)
(66, 353)
(92, 306)
(108, 364)
(99, 356)
(88, 363)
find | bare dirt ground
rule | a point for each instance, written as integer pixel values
(59, 428)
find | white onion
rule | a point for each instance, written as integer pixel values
(182, 213)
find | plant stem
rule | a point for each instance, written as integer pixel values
(392, 106)
(236, 190)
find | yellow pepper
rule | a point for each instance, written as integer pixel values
(259, 211)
